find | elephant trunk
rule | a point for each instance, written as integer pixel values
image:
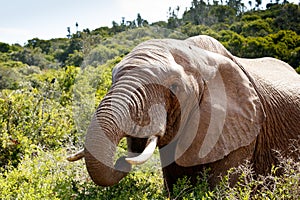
(101, 143)
(101, 169)
(118, 117)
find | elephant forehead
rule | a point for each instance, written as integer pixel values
(167, 56)
(136, 65)
(195, 60)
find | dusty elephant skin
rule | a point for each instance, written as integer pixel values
(200, 105)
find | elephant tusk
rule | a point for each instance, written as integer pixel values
(76, 156)
(146, 154)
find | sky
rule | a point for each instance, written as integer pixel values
(21, 20)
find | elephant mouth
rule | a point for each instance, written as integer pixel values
(133, 160)
(146, 154)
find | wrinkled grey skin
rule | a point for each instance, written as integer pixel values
(208, 108)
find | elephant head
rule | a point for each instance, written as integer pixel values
(186, 97)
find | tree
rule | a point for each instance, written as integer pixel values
(4, 47)
(131, 24)
(198, 13)
(258, 3)
(236, 5)
(69, 32)
(250, 4)
(173, 21)
(139, 20)
(222, 14)
(45, 45)
(75, 59)
(116, 28)
(33, 57)
(257, 27)
(289, 17)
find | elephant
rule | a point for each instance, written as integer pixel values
(200, 105)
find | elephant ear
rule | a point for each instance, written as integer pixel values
(230, 115)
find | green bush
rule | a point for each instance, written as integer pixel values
(47, 175)
(9, 78)
(44, 175)
(4, 47)
(100, 55)
(258, 27)
(184, 190)
(31, 118)
(34, 57)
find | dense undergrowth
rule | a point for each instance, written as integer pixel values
(47, 175)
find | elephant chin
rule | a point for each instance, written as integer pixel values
(104, 175)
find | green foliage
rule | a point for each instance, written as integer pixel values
(287, 17)
(67, 79)
(96, 46)
(103, 31)
(192, 30)
(250, 17)
(222, 14)
(30, 118)
(100, 54)
(184, 190)
(137, 185)
(232, 41)
(272, 186)
(68, 52)
(44, 45)
(43, 175)
(84, 96)
(4, 47)
(9, 74)
(66, 82)
(257, 47)
(47, 175)
(75, 59)
(4, 57)
(13, 74)
(286, 47)
(258, 27)
(34, 57)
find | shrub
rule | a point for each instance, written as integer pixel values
(44, 175)
(184, 190)
(100, 55)
(257, 28)
(29, 118)
(47, 175)
(4, 47)
(251, 186)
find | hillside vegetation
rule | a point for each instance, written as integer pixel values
(50, 88)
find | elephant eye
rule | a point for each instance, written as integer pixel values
(174, 88)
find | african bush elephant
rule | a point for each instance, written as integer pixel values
(200, 105)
